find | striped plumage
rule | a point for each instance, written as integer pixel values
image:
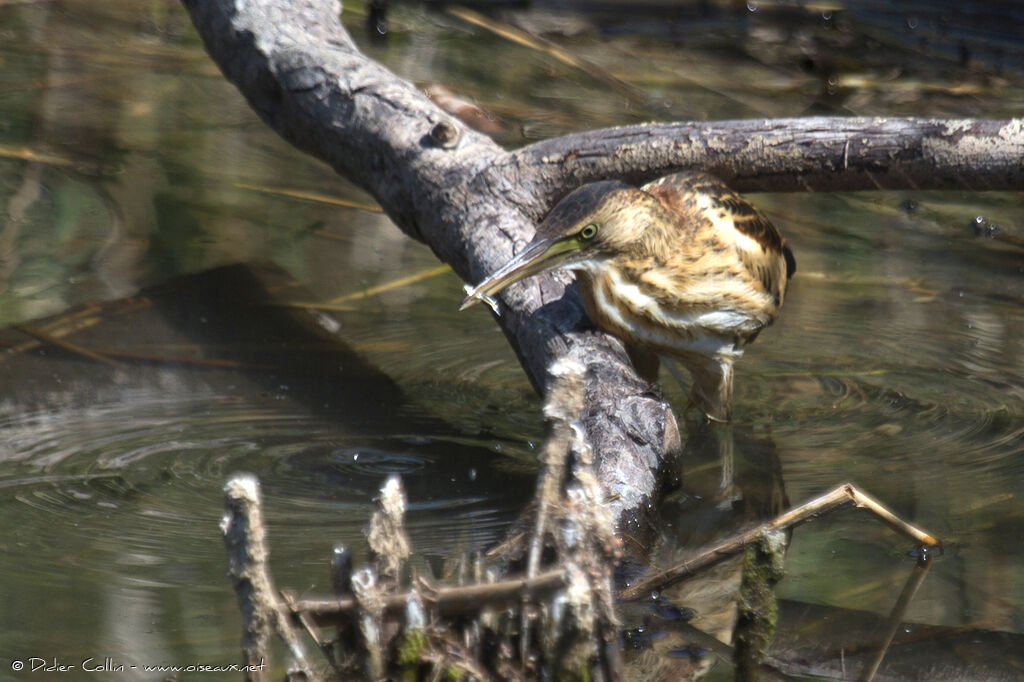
(681, 267)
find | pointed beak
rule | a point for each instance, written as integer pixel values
(538, 256)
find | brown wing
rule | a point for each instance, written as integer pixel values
(760, 246)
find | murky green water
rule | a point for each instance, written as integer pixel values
(127, 161)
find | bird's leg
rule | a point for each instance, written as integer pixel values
(712, 388)
(710, 434)
(644, 362)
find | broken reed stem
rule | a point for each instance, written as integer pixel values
(245, 540)
(369, 597)
(843, 495)
(389, 544)
(539, 44)
(862, 499)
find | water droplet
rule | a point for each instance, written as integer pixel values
(983, 227)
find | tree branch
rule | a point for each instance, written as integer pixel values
(796, 154)
(475, 203)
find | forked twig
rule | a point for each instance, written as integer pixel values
(841, 496)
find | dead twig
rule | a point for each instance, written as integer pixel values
(306, 195)
(841, 496)
(539, 44)
(448, 601)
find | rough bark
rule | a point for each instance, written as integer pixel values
(475, 203)
(796, 154)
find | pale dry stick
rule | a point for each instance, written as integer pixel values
(245, 539)
(539, 44)
(843, 495)
(393, 284)
(310, 196)
(26, 154)
(335, 304)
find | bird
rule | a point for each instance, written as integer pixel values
(681, 268)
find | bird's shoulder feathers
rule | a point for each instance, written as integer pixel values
(702, 198)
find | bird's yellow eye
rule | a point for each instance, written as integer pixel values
(589, 232)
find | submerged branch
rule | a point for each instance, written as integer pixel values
(899, 611)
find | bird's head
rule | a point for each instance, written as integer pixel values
(591, 224)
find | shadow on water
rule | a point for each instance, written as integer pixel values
(217, 367)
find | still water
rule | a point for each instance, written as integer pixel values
(127, 162)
